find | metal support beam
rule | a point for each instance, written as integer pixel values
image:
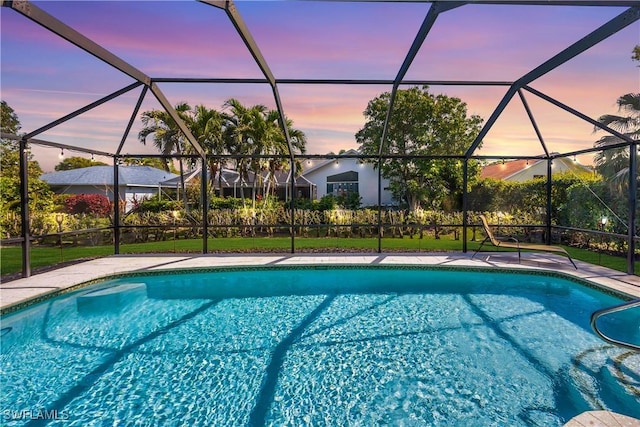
(611, 27)
(82, 110)
(429, 20)
(292, 163)
(204, 199)
(134, 115)
(549, 204)
(116, 206)
(379, 205)
(24, 208)
(292, 205)
(52, 24)
(244, 33)
(465, 203)
(39, 16)
(44, 143)
(242, 29)
(579, 114)
(491, 120)
(375, 82)
(176, 118)
(633, 206)
(533, 122)
(601, 33)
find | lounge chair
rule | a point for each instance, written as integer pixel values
(513, 243)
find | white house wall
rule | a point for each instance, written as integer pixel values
(367, 180)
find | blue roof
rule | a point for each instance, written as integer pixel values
(103, 175)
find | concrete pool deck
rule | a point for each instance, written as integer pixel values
(19, 292)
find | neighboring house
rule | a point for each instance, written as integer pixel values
(525, 170)
(134, 182)
(232, 185)
(347, 175)
(228, 183)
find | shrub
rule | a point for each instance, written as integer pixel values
(156, 205)
(327, 203)
(95, 204)
(225, 203)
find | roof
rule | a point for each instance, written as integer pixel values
(319, 165)
(174, 181)
(511, 169)
(144, 176)
(504, 170)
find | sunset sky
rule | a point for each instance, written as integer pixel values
(43, 77)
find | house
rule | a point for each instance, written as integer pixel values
(134, 182)
(228, 183)
(342, 175)
(525, 170)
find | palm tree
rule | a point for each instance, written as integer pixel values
(278, 146)
(255, 131)
(167, 137)
(613, 164)
(207, 126)
(237, 137)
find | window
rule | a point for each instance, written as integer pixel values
(342, 183)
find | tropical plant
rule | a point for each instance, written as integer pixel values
(207, 126)
(167, 136)
(613, 163)
(254, 132)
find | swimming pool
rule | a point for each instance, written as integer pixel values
(318, 346)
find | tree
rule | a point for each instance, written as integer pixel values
(40, 195)
(207, 125)
(167, 136)
(241, 137)
(76, 163)
(421, 124)
(256, 131)
(613, 164)
(276, 145)
(9, 122)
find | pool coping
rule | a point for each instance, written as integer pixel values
(21, 293)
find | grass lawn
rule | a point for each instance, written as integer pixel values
(42, 256)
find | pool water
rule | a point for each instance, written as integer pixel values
(308, 346)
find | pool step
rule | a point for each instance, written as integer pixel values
(111, 299)
(608, 374)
